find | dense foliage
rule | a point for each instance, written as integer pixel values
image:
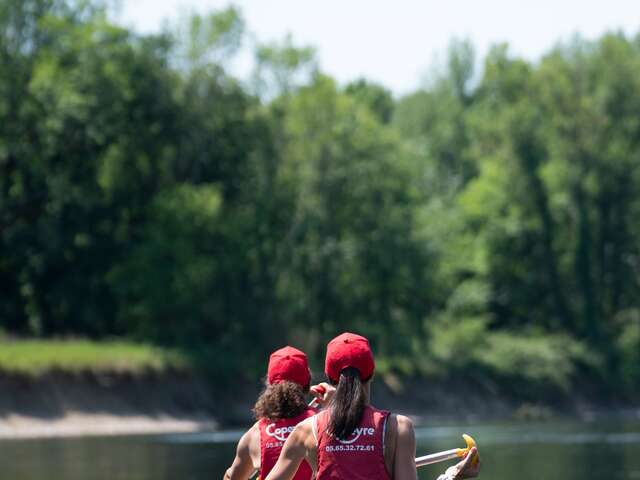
(488, 223)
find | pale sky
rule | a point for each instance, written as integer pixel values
(395, 42)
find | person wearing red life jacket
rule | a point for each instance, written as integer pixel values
(351, 439)
(279, 408)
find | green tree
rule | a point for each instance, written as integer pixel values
(374, 97)
(354, 261)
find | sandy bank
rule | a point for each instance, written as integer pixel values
(65, 405)
(61, 404)
(74, 424)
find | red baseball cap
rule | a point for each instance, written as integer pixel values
(349, 350)
(289, 364)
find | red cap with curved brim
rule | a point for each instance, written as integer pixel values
(349, 350)
(289, 364)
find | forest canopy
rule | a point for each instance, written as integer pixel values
(488, 222)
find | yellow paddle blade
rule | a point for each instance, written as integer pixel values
(470, 444)
(470, 441)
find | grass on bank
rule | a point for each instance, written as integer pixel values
(37, 357)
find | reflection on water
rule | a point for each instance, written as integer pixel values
(562, 450)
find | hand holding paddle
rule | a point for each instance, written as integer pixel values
(469, 467)
(323, 393)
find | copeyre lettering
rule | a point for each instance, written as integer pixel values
(357, 433)
(280, 433)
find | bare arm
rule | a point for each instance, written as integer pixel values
(294, 451)
(404, 464)
(244, 465)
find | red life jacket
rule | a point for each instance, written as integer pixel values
(360, 457)
(272, 438)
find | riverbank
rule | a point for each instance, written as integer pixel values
(77, 387)
(78, 424)
(64, 404)
(116, 403)
(57, 388)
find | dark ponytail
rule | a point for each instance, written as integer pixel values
(348, 404)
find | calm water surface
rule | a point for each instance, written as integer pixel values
(564, 450)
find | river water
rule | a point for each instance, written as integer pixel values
(566, 450)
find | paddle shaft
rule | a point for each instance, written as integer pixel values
(437, 457)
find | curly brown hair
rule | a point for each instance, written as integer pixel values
(280, 400)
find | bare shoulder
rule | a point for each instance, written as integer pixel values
(255, 429)
(251, 434)
(399, 427)
(250, 441)
(305, 427)
(399, 424)
(303, 433)
(405, 434)
(404, 424)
